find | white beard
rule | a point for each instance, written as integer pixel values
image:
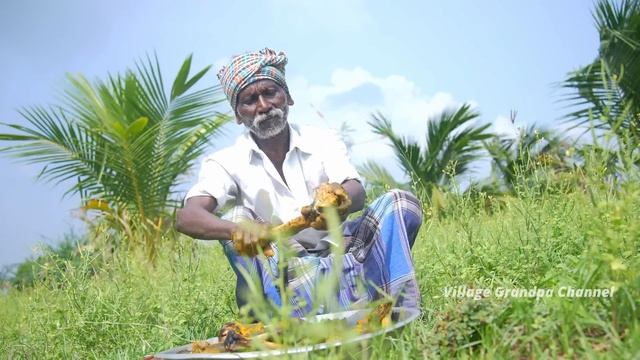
(265, 126)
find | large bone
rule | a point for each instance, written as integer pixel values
(297, 224)
(327, 195)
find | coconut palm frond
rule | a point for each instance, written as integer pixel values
(125, 140)
(452, 143)
(377, 175)
(606, 93)
(407, 151)
(518, 158)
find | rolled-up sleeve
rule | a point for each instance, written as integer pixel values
(214, 181)
(337, 165)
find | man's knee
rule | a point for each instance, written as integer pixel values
(402, 195)
(403, 200)
(409, 207)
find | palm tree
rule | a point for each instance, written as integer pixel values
(378, 179)
(452, 144)
(607, 91)
(125, 141)
(518, 158)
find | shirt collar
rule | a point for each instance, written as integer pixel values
(296, 140)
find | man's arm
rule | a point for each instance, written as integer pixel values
(197, 220)
(356, 193)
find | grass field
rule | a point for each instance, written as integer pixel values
(573, 232)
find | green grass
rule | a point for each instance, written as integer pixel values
(578, 232)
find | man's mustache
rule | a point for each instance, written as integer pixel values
(273, 113)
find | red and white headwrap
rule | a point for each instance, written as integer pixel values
(247, 68)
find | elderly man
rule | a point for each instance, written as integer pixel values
(270, 175)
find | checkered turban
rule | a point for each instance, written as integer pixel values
(250, 67)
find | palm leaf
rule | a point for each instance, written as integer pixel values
(378, 176)
(452, 144)
(125, 140)
(607, 92)
(514, 159)
(407, 152)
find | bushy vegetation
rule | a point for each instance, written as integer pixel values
(51, 263)
(126, 140)
(496, 262)
(579, 236)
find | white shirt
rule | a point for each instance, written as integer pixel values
(242, 174)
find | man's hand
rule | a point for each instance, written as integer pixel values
(329, 195)
(249, 236)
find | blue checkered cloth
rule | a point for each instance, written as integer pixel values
(247, 68)
(376, 262)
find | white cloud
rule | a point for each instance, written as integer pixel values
(399, 99)
(573, 132)
(505, 127)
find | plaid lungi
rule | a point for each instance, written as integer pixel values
(376, 261)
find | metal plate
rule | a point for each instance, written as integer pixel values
(401, 316)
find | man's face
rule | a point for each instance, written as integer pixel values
(263, 107)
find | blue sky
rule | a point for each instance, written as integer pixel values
(347, 59)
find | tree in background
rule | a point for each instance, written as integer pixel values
(378, 179)
(453, 142)
(607, 91)
(125, 141)
(514, 160)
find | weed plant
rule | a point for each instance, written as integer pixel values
(574, 229)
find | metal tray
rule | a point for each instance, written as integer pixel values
(400, 316)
